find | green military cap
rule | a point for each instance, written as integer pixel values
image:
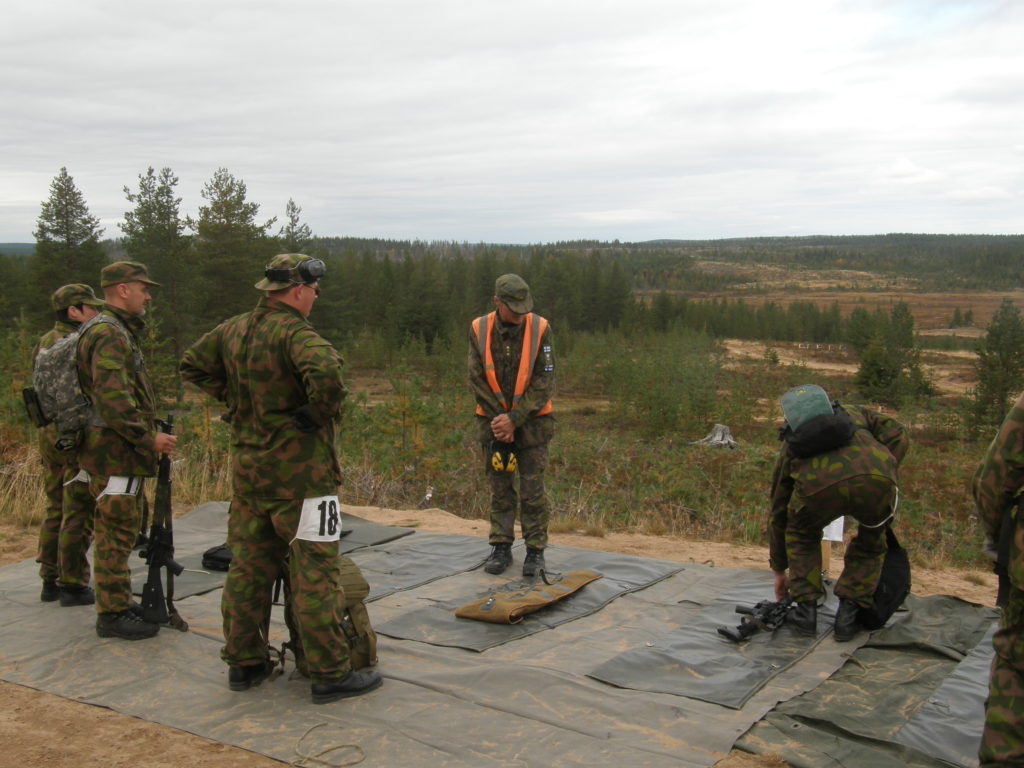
(287, 269)
(124, 272)
(73, 295)
(803, 403)
(514, 293)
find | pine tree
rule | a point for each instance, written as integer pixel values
(68, 246)
(230, 249)
(295, 236)
(154, 233)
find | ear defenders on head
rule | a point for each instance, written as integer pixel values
(308, 271)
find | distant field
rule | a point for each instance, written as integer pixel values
(852, 289)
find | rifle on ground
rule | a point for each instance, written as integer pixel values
(159, 550)
(766, 615)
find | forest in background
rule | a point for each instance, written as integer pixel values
(638, 327)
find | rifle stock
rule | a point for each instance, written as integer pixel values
(158, 605)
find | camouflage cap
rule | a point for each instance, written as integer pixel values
(73, 295)
(514, 293)
(288, 261)
(125, 272)
(803, 403)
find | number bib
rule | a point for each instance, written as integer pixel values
(320, 519)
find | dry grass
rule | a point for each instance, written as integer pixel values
(22, 501)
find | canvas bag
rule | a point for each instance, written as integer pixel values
(355, 620)
(893, 586)
(511, 606)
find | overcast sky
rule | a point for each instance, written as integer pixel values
(530, 121)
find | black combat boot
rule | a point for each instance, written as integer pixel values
(50, 593)
(499, 559)
(124, 624)
(355, 683)
(534, 562)
(76, 596)
(244, 678)
(804, 618)
(847, 625)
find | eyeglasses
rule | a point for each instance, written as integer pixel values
(315, 287)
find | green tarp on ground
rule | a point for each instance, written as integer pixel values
(913, 695)
(437, 624)
(529, 702)
(685, 663)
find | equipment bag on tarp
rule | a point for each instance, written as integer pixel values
(893, 586)
(510, 607)
(217, 558)
(355, 620)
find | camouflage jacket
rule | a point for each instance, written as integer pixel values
(113, 375)
(998, 481)
(281, 383)
(48, 434)
(877, 447)
(506, 349)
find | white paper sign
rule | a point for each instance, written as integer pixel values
(320, 520)
(121, 486)
(833, 531)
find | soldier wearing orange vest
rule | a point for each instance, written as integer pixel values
(512, 376)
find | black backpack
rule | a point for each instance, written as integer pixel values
(893, 586)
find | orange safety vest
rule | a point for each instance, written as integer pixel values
(535, 325)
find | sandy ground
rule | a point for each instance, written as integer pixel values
(45, 731)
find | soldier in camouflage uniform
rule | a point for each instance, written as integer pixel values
(283, 389)
(66, 530)
(997, 487)
(512, 377)
(859, 480)
(120, 446)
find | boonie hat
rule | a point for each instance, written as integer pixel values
(125, 272)
(284, 261)
(514, 293)
(803, 403)
(74, 294)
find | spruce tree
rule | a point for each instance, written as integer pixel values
(1000, 367)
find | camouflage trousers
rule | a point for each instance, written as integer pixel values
(869, 500)
(528, 498)
(1002, 740)
(115, 530)
(66, 530)
(261, 534)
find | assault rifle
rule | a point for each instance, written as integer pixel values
(158, 553)
(765, 615)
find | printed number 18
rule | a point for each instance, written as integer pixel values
(328, 517)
